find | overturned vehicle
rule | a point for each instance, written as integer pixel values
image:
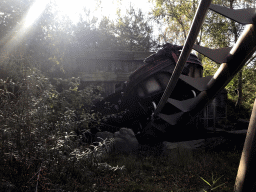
(134, 104)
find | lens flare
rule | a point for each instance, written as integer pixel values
(34, 12)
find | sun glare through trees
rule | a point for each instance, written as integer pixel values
(61, 8)
(34, 12)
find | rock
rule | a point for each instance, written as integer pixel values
(181, 152)
(177, 153)
(125, 141)
(100, 136)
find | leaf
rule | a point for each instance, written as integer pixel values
(206, 181)
(215, 181)
(218, 186)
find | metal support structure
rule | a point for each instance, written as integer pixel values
(246, 175)
(193, 33)
(236, 59)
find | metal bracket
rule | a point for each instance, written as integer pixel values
(198, 83)
(185, 105)
(217, 55)
(171, 119)
(243, 16)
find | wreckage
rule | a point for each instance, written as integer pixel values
(165, 94)
(135, 103)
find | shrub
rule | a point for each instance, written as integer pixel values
(38, 129)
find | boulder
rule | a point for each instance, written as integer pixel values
(125, 141)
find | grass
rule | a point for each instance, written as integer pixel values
(163, 174)
(181, 170)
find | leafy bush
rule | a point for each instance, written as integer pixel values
(39, 123)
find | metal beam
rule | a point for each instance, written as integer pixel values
(245, 179)
(193, 33)
(239, 55)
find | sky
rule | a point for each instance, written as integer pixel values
(73, 8)
(109, 6)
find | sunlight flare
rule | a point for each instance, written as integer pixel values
(34, 12)
(72, 9)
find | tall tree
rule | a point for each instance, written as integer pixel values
(176, 17)
(11, 13)
(85, 32)
(13, 35)
(107, 40)
(133, 31)
(129, 32)
(19, 40)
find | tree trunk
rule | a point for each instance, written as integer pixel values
(240, 74)
(240, 90)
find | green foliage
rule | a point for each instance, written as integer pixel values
(133, 31)
(130, 32)
(38, 129)
(217, 31)
(10, 14)
(66, 95)
(249, 88)
(209, 67)
(177, 15)
(212, 186)
(107, 39)
(248, 82)
(38, 124)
